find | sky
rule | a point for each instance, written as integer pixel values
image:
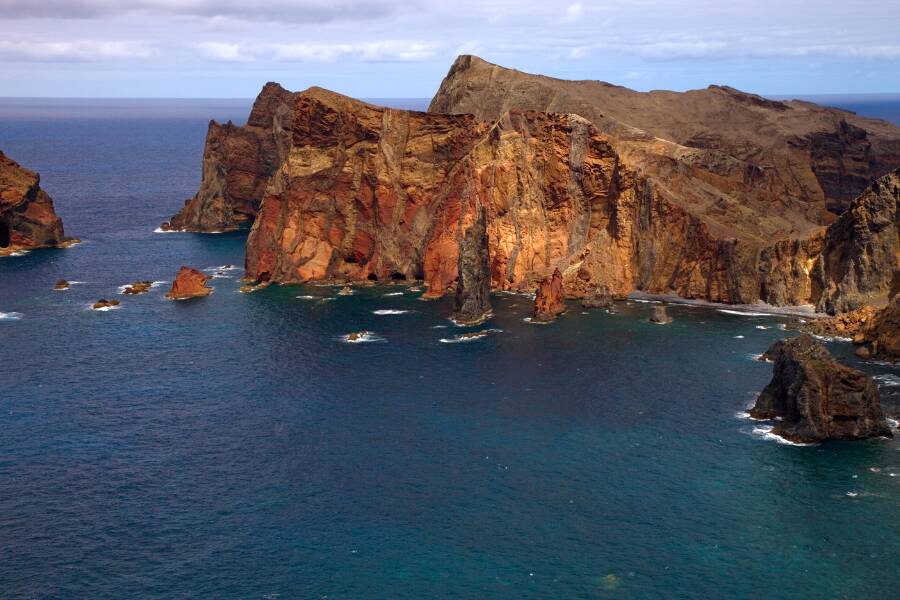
(387, 49)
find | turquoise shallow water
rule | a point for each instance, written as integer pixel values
(237, 447)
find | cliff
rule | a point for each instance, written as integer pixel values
(27, 218)
(821, 156)
(815, 398)
(238, 162)
(370, 193)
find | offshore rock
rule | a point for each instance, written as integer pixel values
(27, 218)
(548, 298)
(802, 153)
(859, 259)
(816, 397)
(850, 324)
(599, 297)
(473, 285)
(659, 315)
(189, 283)
(238, 162)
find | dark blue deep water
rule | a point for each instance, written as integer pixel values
(236, 447)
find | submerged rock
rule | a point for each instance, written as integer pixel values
(659, 315)
(138, 287)
(104, 303)
(473, 286)
(816, 397)
(548, 299)
(189, 283)
(27, 218)
(345, 291)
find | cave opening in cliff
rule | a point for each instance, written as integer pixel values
(4, 234)
(398, 276)
(372, 277)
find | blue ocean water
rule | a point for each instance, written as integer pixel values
(237, 447)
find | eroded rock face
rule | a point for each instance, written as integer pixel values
(808, 153)
(548, 298)
(861, 250)
(368, 192)
(816, 397)
(882, 336)
(599, 297)
(473, 285)
(189, 283)
(238, 162)
(27, 218)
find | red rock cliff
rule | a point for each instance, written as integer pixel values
(27, 217)
(238, 162)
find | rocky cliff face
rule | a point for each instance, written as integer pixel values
(820, 156)
(27, 217)
(473, 285)
(882, 334)
(372, 193)
(238, 162)
(816, 398)
(861, 250)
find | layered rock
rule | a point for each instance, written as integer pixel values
(881, 337)
(816, 398)
(27, 218)
(599, 297)
(473, 285)
(189, 283)
(809, 153)
(548, 298)
(238, 162)
(861, 250)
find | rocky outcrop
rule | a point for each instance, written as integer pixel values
(660, 316)
(599, 297)
(548, 298)
(852, 324)
(881, 336)
(809, 153)
(189, 283)
(138, 287)
(473, 285)
(238, 162)
(816, 398)
(27, 218)
(861, 250)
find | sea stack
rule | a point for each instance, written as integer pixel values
(548, 299)
(473, 286)
(816, 398)
(599, 297)
(27, 218)
(190, 283)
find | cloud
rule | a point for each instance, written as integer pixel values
(223, 52)
(382, 51)
(573, 12)
(294, 11)
(74, 51)
(579, 52)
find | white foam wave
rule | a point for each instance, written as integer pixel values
(107, 308)
(762, 326)
(648, 301)
(388, 311)
(388, 295)
(10, 316)
(765, 432)
(738, 337)
(469, 337)
(307, 297)
(743, 313)
(887, 379)
(832, 338)
(362, 337)
(533, 322)
(439, 327)
(756, 357)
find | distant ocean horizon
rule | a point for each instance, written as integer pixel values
(879, 106)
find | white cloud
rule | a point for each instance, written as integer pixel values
(73, 51)
(579, 52)
(223, 51)
(573, 12)
(295, 11)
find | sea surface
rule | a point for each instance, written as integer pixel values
(237, 446)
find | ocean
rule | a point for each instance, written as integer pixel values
(238, 447)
